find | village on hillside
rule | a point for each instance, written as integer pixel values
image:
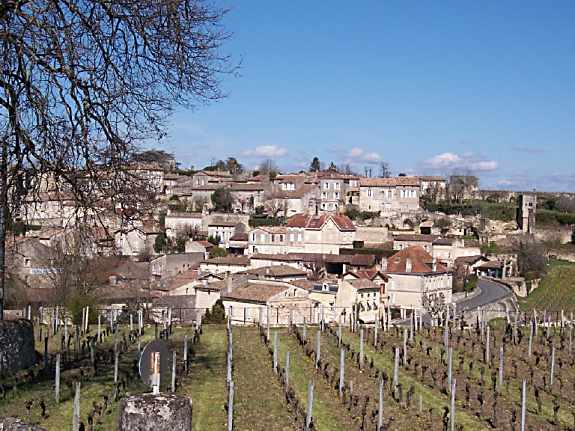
(299, 244)
(273, 216)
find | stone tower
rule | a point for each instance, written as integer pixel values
(526, 212)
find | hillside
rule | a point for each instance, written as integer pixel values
(557, 289)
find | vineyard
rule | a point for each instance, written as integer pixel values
(518, 375)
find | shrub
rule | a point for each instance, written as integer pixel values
(217, 314)
(218, 252)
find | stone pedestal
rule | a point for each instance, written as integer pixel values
(16, 345)
(147, 412)
(15, 424)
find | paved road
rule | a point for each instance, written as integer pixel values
(490, 292)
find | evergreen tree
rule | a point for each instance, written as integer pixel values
(315, 165)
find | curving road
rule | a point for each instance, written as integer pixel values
(489, 292)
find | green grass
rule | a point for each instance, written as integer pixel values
(328, 412)
(259, 401)
(556, 291)
(207, 382)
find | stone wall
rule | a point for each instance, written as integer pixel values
(16, 345)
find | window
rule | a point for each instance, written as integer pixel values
(281, 238)
(326, 186)
(337, 195)
(337, 186)
(369, 193)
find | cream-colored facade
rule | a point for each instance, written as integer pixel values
(389, 195)
(405, 291)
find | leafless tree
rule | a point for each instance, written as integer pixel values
(316, 269)
(83, 83)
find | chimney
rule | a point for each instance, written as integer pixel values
(408, 265)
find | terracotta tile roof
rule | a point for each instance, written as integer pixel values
(182, 279)
(421, 261)
(177, 214)
(492, 264)
(229, 260)
(238, 187)
(389, 182)
(364, 284)
(469, 259)
(316, 222)
(431, 178)
(415, 237)
(304, 257)
(254, 292)
(363, 260)
(369, 274)
(272, 229)
(277, 271)
(304, 283)
(239, 237)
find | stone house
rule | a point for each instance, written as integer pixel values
(433, 187)
(263, 299)
(325, 233)
(182, 221)
(272, 240)
(359, 297)
(413, 274)
(334, 189)
(223, 265)
(224, 230)
(389, 195)
(138, 239)
(246, 197)
(277, 273)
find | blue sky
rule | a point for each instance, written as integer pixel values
(430, 87)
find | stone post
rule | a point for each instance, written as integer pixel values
(148, 412)
(57, 379)
(309, 406)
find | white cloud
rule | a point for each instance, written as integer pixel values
(358, 155)
(355, 152)
(266, 151)
(451, 161)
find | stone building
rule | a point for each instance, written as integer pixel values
(389, 195)
(413, 274)
(526, 212)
